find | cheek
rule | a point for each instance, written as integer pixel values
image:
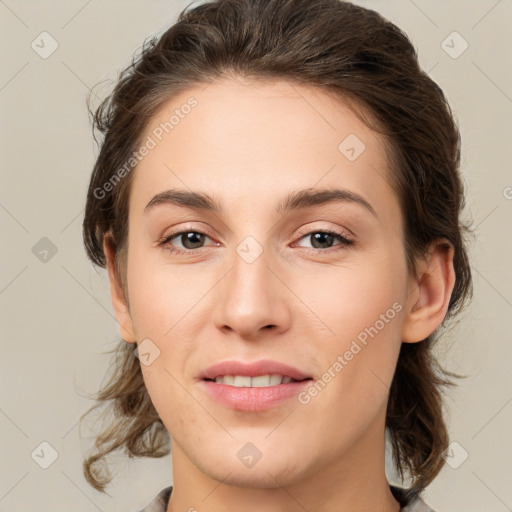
(178, 411)
(160, 294)
(162, 300)
(349, 298)
(360, 310)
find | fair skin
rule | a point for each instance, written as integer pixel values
(248, 145)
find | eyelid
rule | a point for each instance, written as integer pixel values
(343, 232)
(346, 240)
(301, 232)
(184, 229)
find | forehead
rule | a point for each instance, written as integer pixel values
(255, 141)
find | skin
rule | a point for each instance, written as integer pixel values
(248, 145)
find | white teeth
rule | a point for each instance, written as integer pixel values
(275, 379)
(228, 379)
(260, 381)
(242, 381)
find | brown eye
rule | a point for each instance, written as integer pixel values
(321, 240)
(189, 241)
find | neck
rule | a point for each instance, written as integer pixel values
(354, 481)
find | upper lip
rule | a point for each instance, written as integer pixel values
(253, 369)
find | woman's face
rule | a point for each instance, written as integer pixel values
(256, 280)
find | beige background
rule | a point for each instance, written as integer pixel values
(56, 316)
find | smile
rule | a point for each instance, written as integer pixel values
(259, 381)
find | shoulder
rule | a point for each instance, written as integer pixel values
(409, 500)
(159, 503)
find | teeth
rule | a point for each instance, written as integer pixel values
(242, 381)
(260, 381)
(275, 379)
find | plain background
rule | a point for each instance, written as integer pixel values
(56, 315)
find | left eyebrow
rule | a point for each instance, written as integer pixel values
(313, 197)
(296, 200)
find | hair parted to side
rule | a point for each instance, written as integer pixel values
(343, 49)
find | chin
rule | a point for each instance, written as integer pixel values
(262, 478)
(267, 473)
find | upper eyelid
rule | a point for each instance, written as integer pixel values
(186, 229)
(301, 234)
(301, 231)
(310, 230)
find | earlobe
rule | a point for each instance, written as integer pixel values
(428, 300)
(119, 303)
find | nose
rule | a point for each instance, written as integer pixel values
(253, 299)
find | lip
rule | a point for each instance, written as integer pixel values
(253, 369)
(253, 399)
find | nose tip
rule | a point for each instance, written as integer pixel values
(251, 300)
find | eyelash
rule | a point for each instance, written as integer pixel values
(344, 241)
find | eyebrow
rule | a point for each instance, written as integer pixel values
(295, 200)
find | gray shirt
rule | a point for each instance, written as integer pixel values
(409, 501)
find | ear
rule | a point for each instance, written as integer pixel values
(119, 303)
(429, 293)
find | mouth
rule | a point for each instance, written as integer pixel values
(255, 386)
(258, 381)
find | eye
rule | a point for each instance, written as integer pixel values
(321, 241)
(324, 239)
(189, 239)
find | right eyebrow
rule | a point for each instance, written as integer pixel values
(195, 200)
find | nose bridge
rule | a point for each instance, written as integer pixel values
(251, 296)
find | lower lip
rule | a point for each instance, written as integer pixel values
(253, 399)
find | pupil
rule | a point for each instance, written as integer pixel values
(191, 239)
(320, 238)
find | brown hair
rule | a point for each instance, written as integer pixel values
(341, 48)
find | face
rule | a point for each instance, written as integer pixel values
(270, 276)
